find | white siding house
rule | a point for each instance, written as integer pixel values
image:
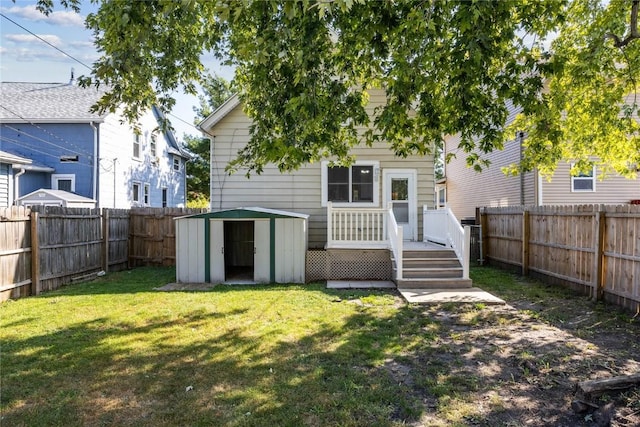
(307, 189)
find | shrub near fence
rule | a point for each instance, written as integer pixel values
(593, 248)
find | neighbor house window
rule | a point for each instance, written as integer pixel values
(584, 181)
(146, 194)
(164, 197)
(441, 195)
(136, 146)
(135, 192)
(176, 163)
(152, 146)
(356, 184)
(67, 159)
(64, 182)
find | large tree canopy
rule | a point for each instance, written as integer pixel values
(449, 67)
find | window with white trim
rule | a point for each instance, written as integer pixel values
(176, 163)
(441, 196)
(137, 145)
(64, 182)
(146, 194)
(152, 146)
(584, 181)
(357, 184)
(135, 192)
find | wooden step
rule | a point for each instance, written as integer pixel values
(430, 262)
(435, 273)
(451, 283)
(434, 253)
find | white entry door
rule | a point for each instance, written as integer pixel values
(399, 187)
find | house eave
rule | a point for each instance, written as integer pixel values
(220, 113)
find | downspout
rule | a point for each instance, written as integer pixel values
(16, 184)
(95, 163)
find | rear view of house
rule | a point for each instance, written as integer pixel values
(356, 214)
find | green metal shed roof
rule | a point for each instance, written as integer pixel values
(247, 213)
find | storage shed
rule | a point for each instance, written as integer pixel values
(46, 197)
(243, 245)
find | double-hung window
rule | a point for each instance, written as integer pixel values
(584, 181)
(356, 185)
(137, 145)
(135, 193)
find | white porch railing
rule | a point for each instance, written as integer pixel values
(365, 228)
(356, 227)
(441, 226)
(395, 240)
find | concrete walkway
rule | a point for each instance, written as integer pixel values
(437, 296)
(422, 296)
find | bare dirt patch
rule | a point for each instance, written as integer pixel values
(518, 365)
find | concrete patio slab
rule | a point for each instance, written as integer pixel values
(360, 284)
(438, 296)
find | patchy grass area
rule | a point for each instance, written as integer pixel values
(116, 352)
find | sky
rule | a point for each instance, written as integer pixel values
(25, 58)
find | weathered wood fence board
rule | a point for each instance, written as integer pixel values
(593, 246)
(15, 252)
(152, 239)
(69, 244)
(118, 238)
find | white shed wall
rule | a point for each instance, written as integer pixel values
(190, 259)
(291, 249)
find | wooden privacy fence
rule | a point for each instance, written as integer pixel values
(44, 248)
(595, 248)
(152, 240)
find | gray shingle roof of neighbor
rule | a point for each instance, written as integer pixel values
(48, 103)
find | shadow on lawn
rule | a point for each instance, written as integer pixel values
(377, 368)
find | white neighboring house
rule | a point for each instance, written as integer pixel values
(463, 189)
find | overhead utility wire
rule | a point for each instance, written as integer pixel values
(7, 139)
(75, 59)
(44, 41)
(45, 131)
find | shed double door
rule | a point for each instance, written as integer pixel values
(240, 251)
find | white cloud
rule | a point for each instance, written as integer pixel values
(64, 18)
(30, 39)
(82, 45)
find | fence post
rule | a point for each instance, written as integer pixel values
(35, 254)
(598, 273)
(105, 240)
(466, 252)
(525, 242)
(483, 236)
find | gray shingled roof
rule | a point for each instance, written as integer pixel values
(47, 102)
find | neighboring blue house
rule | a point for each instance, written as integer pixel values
(59, 144)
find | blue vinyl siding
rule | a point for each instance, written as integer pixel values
(45, 144)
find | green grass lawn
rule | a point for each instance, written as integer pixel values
(116, 352)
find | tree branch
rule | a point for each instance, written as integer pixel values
(633, 31)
